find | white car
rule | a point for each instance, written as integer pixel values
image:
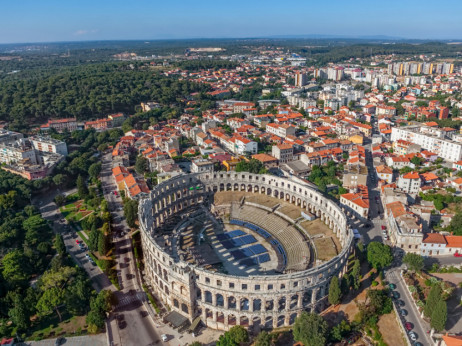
(164, 337)
(412, 336)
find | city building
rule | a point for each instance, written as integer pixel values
(283, 152)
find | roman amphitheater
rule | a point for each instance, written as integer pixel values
(242, 249)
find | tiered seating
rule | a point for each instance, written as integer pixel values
(288, 241)
(263, 258)
(248, 239)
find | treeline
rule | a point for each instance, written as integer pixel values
(205, 64)
(86, 92)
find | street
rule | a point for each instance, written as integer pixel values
(131, 323)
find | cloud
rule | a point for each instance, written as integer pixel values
(82, 32)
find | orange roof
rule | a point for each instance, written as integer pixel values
(396, 208)
(130, 180)
(264, 158)
(434, 238)
(429, 176)
(452, 340)
(411, 175)
(454, 241)
(356, 199)
(384, 169)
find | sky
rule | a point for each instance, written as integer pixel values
(84, 20)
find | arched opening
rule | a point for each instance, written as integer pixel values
(220, 300)
(256, 321)
(184, 308)
(280, 322)
(208, 297)
(175, 303)
(268, 322)
(293, 302)
(282, 304)
(208, 313)
(256, 304)
(269, 306)
(220, 317)
(307, 297)
(249, 188)
(244, 321)
(231, 320)
(199, 294)
(231, 302)
(228, 187)
(292, 318)
(244, 304)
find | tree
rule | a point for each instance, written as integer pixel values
(339, 331)
(19, 313)
(60, 200)
(378, 302)
(141, 165)
(356, 274)
(15, 269)
(414, 262)
(82, 188)
(434, 296)
(264, 339)
(103, 244)
(233, 337)
(131, 212)
(379, 255)
(93, 239)
(53, 284)
(310, 329)
(94, 170)
(456, 223)
(59, 179)
(59, 245)
(439, 316)
(334, 291)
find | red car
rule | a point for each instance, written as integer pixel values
(77, 241)
(383, 228)
(457, 254)
(408, 326)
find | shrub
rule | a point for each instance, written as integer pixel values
(374, 283)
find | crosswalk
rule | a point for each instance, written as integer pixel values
(128, 299)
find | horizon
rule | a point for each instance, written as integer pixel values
(51, 21)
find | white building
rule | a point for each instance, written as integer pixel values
(433, 141)
(49, 145)
(281, 130)
(201, 165)
(244, 145)
(10, 154)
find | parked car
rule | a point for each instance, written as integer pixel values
(403, 312)
(392, 286)
(408, 326)
(60, 340)
(457, 254)
(413, 336)
(383, 228)
(87, 256)
(395, 295)
(77, 241)
(401, 303)
(164, 337)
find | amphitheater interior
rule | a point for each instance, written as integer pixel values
(239, 248)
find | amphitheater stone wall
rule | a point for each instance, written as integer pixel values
(225, 300)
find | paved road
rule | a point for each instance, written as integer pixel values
(420, 326)
(131, 324)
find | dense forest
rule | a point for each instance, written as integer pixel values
(87, 91)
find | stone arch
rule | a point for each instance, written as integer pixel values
(208, 297)
(292, 318)
(231, 302)
(220, 317)
(244, 321)
(242, 187)
(249, 188)
(228, 187)
(268, 191)
(280, 321)
(268, 322)
(220, 300)
(269, 305)
(208, 313)
(184, 308)
(245, 305)
(256, 305)
(232, 320)
(293, 301)
(236, 187)
(176, 304)
(256, 321)
(282, 304)
(222, 187)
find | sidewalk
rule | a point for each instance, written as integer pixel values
(86, 340)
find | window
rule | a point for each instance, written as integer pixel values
(207, 280)
(296, 284)
(219, 283)
(270, 286)
(244, 286)
(231, 285)
(257, 287)
(283, 286)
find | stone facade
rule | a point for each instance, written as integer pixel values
(224, 300)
